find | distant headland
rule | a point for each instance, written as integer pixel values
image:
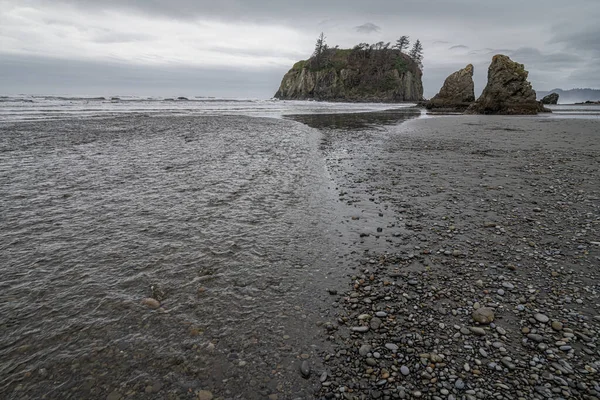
(573, 96)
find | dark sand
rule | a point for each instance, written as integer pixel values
(473, 211)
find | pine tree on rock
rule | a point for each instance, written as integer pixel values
(402, 43)
(416, 53)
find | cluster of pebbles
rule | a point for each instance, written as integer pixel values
(490, 284)
(447, 335)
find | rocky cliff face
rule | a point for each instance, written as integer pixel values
(507, 90)
(552, 98)
(355, 75)
(457, 93)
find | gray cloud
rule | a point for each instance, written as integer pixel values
(367, 28)
(116, 37)
(42, 75)
(552, 61)
(569, 57)
(291, 10)
(587, 38)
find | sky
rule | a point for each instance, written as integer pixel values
(242, 48)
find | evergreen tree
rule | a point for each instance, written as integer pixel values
(416, 53)
(402, 43)
(320, 48)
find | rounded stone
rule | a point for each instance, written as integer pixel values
(364, 350)
(557, 325)
(483, 315)
(541, 318)
(305, 369)
(151, 303)
(205, 395)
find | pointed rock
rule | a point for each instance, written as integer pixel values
(508, 92)
(457, 93)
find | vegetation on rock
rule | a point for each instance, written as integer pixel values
(367, 72)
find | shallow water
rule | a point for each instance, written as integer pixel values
(232, 222)
(28, 108)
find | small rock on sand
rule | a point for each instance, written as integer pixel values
(541, 318)
(205, 395)
(305, 369)
(483, 315)
(152, 303)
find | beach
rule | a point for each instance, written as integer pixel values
(451, 215)
(298, 257)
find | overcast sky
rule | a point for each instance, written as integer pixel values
(242, 48)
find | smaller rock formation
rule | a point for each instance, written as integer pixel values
(507, 91)
(552, 98)
(457, 93)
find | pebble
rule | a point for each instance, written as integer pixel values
(483, 315)
(205, 395)
(404, 370)
(359, 329)
(478, 331)
(391, 346)
(114, 395)
(305, 369)
(375, 323)
(364, 350)
(323, 377)
(557, 325)
(541, 318)
(151, 303)
(535, 337)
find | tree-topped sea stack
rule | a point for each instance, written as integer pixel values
(507, 91)
(457, 94)
(366, 73)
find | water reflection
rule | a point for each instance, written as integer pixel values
(357, 121)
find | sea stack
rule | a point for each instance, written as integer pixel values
(354, 75)
(457, 93)
(552, 98)
(508, 92)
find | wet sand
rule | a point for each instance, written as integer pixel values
(400, 228)
(449, 215)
